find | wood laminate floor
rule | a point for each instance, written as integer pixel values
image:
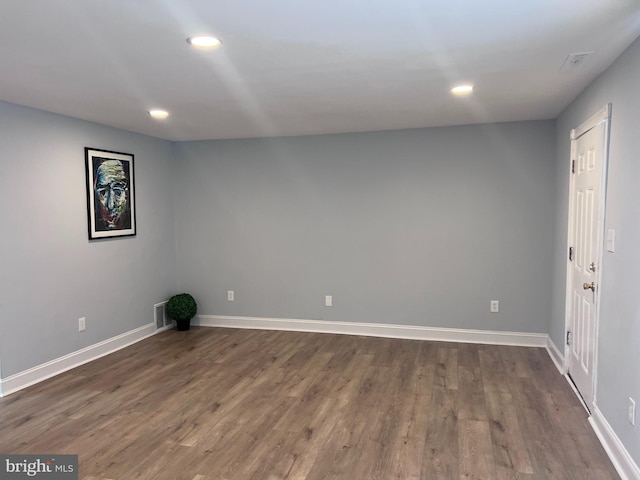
(212, 404)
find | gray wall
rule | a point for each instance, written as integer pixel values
(619, 343)
(51, 274)
(416, 227)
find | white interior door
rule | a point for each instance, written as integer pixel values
(588, 159)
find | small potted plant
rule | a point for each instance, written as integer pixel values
(182, 308)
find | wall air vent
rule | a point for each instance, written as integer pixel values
(160, 316)
(575, 61)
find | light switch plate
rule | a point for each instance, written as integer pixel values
(611, 240)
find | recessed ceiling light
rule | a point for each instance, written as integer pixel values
(204, 41)
(159, 114)
(462, 89)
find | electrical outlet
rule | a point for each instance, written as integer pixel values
(328, 301)
(632, 411)
(82, 324)
(230, 296)
(495, 306)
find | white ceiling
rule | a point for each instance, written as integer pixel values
(295, 67)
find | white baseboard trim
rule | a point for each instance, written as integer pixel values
(410, 332)
(54, 367)
(620, 457)
(556, 356)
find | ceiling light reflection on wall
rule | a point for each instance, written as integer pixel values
(159, 114)
(204, 41)
(462, 89)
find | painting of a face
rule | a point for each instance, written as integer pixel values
(111, 193)
(111, 190)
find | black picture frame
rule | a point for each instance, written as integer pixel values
(111, 205)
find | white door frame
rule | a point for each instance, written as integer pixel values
(603, 116)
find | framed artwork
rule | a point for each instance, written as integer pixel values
(111, 205)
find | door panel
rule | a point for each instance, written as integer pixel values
(586, 195)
